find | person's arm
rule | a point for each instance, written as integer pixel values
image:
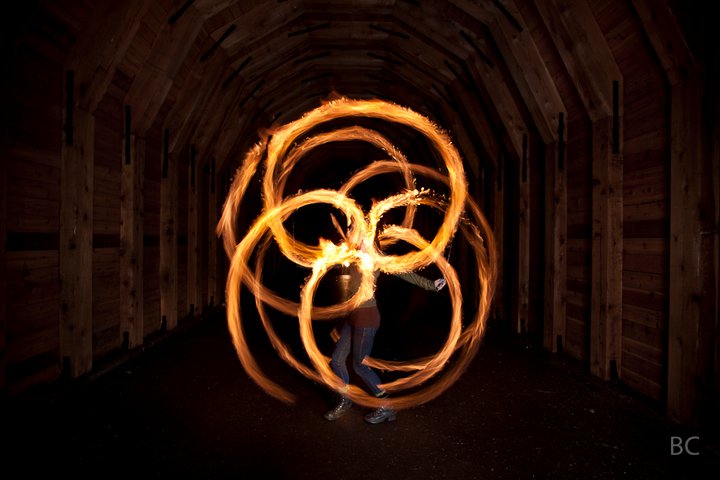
(422, 282)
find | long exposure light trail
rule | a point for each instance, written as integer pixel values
(278, 156)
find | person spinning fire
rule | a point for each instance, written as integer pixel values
(357, 334)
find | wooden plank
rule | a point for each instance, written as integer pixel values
(30, 189)
(30, 289)
(715, 174)
(651, 282)
(36, 343)
(464, 140)
(666, 37)
(152, 321)
(578, 286)
(153, 81)
(607, 259)
(575, 312)
(645, 263)
(183, 307)
(646, 211)
(106, 341)
(579, 297)
(556, 246)
(693, 306)
(44, 376)
(503, 101)
(75, 251)
(26, 318)
(648, 352)
(29, 215)
(212, 244)
(3, 272)
(650, 339)
(102, 44)
(193, 224)
(25, 167)
(644, 368)
(523, 244)
(498, 231)
(435, 18)
(524, 62)
(575, 340)
(213, 113)
(641, 384)
(575, 32)
(643, 298)
(653, 319)
(168, 236)
(131, 240)
(203, 221)
(645, 228)
(204, 79)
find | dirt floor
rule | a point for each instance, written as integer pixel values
(185, 408)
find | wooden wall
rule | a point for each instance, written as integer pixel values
(107, 336)
(577, 165)
(32, 198)
(31, 158)
(647, 349)
(646, 200)
(105, 97)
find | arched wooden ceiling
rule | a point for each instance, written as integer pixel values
(215, 72)
(441, 58)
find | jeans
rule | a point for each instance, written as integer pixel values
(361, 339)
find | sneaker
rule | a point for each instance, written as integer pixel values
(380, 415)
(340, 409)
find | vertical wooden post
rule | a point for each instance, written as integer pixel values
(76, 228)
(3, 273)
(693, 307)
(607, 245)
(222, 260)
(203, 235)
(193, 293)
(523, 291)
(498, 231)
(212, 236)
(555, 246)
(715, 174)
(168, 236)
(131, 236)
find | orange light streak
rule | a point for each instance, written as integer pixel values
(282, 154)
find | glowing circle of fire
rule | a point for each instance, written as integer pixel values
(282, 153)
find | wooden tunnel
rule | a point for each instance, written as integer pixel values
(588, 128)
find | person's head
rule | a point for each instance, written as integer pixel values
(354, 235)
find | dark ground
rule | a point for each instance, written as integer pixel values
(185, 408)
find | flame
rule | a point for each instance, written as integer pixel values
(282, 153)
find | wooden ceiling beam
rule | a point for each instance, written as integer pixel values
(201, 82)
(212, 116)
(257, 26)
(101, 46)
(526, 65)
(154, 80)
(667, 39)
(452, 42)
(584, 51)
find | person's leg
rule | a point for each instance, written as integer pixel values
(338, 364)
(363, 339)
